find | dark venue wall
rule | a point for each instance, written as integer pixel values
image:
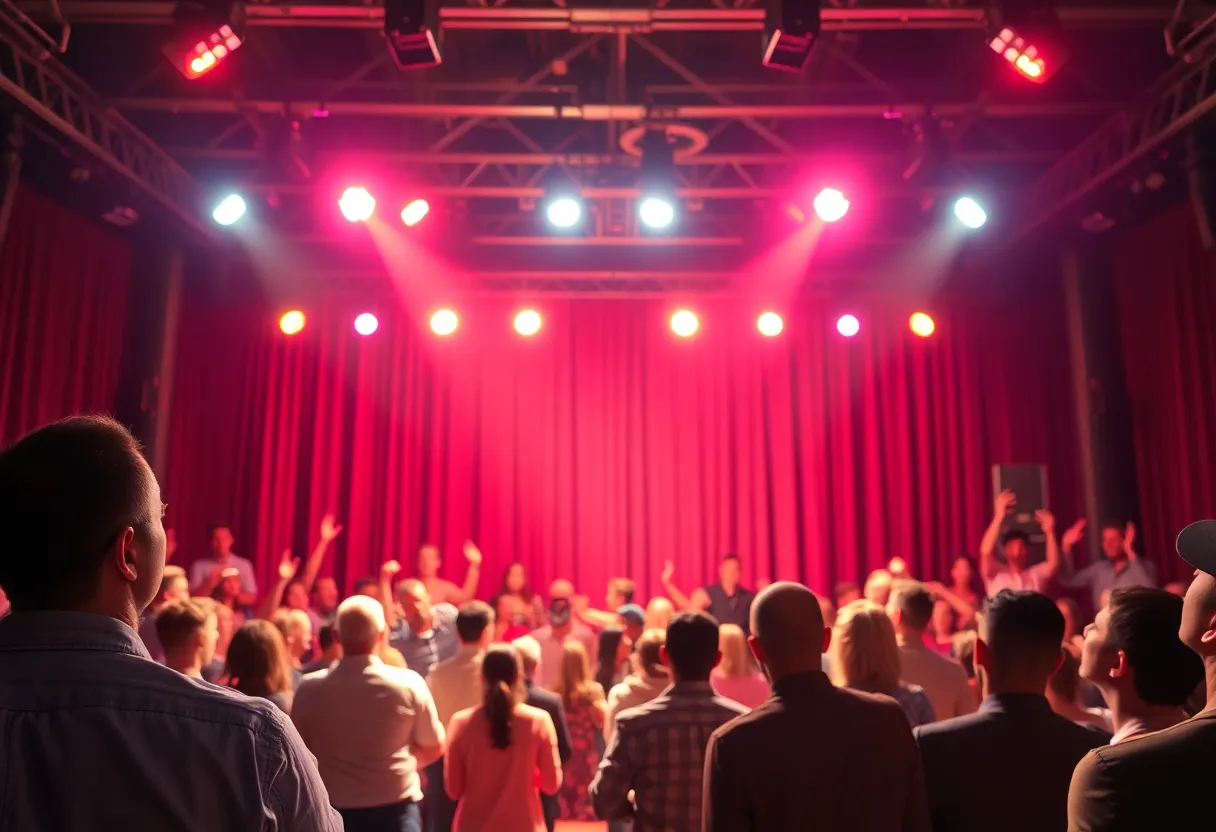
(64, 291)
(1166, 287)
(605, 446)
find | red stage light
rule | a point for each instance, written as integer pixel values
(1031, 60)
(292, 322)
(198, 57)
(357, 204)
(831, 205)
(415, 212)
(921, 324)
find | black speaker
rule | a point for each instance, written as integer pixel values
(1029, 483)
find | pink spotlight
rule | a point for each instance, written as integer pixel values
(848, 325)
(831, 205)
(415, 212)
(357, 204)
(366, 323)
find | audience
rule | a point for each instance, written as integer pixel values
(426, 633)
(95, 731)
(187, 631)
(442, 591)
(455, 684)
(658, 613)
(518, 609)
(1015, 546)
(562, 628)
(728, 601)
(657, 751)
(1064, 695)
(943, 680)
(329, 649)
(877, 589)
(648, 679)
(737, 677)
(1072, 631)
(1161, 781)
(632, 619)
(296, 629)
(865, 657)
(500, 753)
(1118, 567)
(257, 663)
(585, 707)
(813, 756)
(173, 587)
(612, 657)
(529, 657)
(1132, 652)
(206, 574)
(1007, 766)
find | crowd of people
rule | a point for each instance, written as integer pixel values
(191, 700)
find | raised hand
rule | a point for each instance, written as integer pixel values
(288, 566)
(1129, 537)
(1004, 503)
(1046, 520)
(471, 553)
(935, 587)
(1072, 535)
(669, 569)
(898, 567)
(329, 528)
(390, 569)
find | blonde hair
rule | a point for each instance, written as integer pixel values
(865, 655)
(659, 613)
(737, 657)
(574, 683)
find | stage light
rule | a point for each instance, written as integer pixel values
(1028, 51)
(411, 28)
(770, 324)
(684, 323)
(527, 322)
(791, 30)
(969, 212)
(848, 325)
(444, 322)
(205, 32)
(230, 209)
(415, 212)
(831, 205)
(564, 212)
(657, 212)
(921, 324)
(366, 323)
(292, 322)
(357, 205)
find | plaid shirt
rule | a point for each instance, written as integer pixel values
(658, 753)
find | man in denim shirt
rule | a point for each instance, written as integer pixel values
(97, 736)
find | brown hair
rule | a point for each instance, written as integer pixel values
(574, 684)
(180, 621)
(257, 662)
(623, 587)
(648, 649)
(737, 659)
(500, 671)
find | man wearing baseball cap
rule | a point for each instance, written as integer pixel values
(1162, 780)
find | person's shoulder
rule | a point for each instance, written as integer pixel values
(728, 705)
(531, 713)
(543, 698)
(403, 677)
(1182, 744)
(217, 704)
(949, 730)
(445, 610)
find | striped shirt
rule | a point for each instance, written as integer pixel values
(658, 753)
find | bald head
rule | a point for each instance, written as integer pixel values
(360, 625)
(787, 629)
(561, 588)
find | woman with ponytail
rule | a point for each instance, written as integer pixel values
(501, 754)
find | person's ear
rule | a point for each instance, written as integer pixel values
(1121, 668)
(123, 555)
(827, 639)
(757, 649)
(1209, 635)
(663, 657)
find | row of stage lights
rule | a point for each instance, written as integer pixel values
(528, 322)
(565, 212)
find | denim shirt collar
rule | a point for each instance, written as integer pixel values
(55, 630)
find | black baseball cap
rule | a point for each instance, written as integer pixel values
(1197, 545)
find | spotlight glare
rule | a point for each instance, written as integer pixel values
(657, 212)
(415, 212)
(770, 324)
(366, 323)
(970, 213)
(1031, 60)
(198, 51)
(921, 324)
(292, 322)
(444, 322)
(831, 205)
(684, 323)
(564, 212)
(357, 204)
(848, 325)
(230, 209)
(527, 322)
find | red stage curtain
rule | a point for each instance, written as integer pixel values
(605, 446)
(64, 286)
(1166, 286)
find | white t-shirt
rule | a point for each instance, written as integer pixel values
(1034, 579)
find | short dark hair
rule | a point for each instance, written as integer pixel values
(692, 645)
(472, 619)
(914, 603)
(66, 492)
(1023, 630)
(1144, 623)
(363, 583)
(1015, 534)
(326, 636)
(1113, 523)
(729, 556)
(217, 525)
(623, 587)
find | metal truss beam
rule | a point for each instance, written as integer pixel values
(1174, 105)
(611, 112)
(52, 94)
(707, 18)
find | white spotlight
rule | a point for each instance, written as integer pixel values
(230, 209)
(366, 323)
(970, 213)
(684, 323)
(657, 212)
(564, 212)
(770, 324)
(527, 322)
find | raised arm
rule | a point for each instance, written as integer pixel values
(1047, 521)
(678, 598)
(329, 531)
(471, 576)
(966, 612)
(387, 573)
(1001, 506)
(287, 570)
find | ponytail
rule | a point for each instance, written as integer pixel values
(499, 704)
